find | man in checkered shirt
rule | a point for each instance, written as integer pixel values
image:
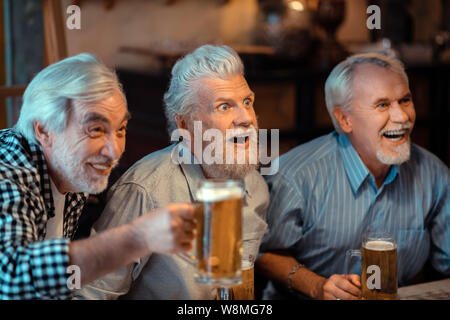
(69, 136)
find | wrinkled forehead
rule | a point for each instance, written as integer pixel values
(211, 89)
(371, 78)
(111, 109)
(370, 71)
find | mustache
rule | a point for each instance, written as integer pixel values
(405, 126)
(250, 131)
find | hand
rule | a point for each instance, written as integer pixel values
(342, 287)
(167, 230)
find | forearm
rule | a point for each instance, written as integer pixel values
(106, 252)
(277, 267)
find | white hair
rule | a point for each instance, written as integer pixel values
(338, 87)
(47, 98)
(207, 61)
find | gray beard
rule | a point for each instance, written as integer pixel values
(403, 153)
(228, 171)
(68, 167)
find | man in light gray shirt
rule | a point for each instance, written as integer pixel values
(207, 89)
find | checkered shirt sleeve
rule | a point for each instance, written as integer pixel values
(31, 267)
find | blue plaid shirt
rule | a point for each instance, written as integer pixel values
(31, 268)
(324, 198)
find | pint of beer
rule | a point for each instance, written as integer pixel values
(219, 232)
(379, 269)
(378, 266)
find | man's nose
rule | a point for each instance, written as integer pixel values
(398, 113)
(243, 117)
(112, 148)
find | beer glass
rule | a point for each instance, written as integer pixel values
(379, 266)
(218, 243)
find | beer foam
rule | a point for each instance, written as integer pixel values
(379, 245)
(218, 194)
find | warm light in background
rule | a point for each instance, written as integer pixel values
(296, 5)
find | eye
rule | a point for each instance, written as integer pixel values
(248, 102)
(223, 107)
(122, 131)
(405, 100)
(383, 105)
(96, 131)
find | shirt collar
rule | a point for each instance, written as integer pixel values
(192, 171)
(39, 159)
(356, 171)
(355, 168)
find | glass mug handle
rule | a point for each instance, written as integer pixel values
(348, 260)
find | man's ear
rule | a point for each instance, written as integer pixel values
(42, 134)
(343, 119)
(180, 120)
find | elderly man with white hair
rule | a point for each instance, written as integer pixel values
(207, 90)
(365, 176)
(69, 136)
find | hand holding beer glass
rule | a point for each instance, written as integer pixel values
(218, 243)
(379, 266)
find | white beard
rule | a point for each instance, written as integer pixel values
(236, 170)
(402, 151)
(228, 171)
(69, 167)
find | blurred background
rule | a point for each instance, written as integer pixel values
(288, 47)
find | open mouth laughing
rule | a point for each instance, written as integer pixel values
(103, 168)
(240, 140)
(396, 135)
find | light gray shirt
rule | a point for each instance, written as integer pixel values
(153, 182)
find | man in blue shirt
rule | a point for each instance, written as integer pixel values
(366, 175)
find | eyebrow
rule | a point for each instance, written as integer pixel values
(95, 116)
(252, 94)
(407, 95)
(127, 116)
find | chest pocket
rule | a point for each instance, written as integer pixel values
(413, 248)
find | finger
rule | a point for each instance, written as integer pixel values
(332, 291)
(189, 225)
(328, 296)
(189, 235)
(355, 279)
(343, 295)
(184, 246)
(347, 288)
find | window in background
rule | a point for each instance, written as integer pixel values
(21, 45)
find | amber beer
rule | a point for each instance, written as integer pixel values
(381, 253)
(219, 233)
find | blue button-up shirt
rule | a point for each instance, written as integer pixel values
(324, 198)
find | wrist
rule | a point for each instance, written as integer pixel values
(316, 290)
(137, 238)
(291, 274)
